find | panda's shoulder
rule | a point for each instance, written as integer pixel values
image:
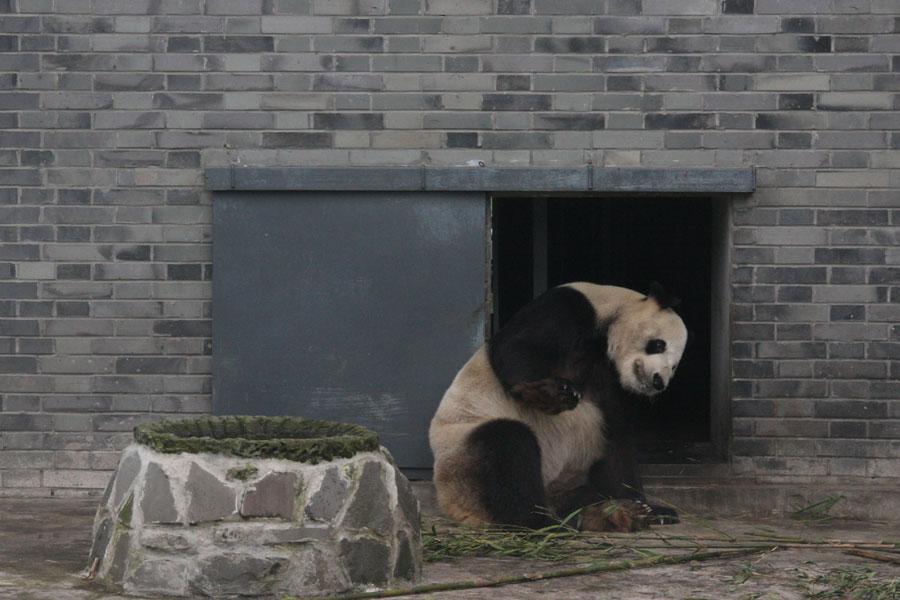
(565, 300)
(604, 295)
(559, 311)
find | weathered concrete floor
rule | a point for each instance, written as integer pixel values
(44, 544)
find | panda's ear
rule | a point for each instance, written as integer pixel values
(662, 297)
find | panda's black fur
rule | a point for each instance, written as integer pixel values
(539, 421)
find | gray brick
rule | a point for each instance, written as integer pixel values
(850, 370)
(234, 7)
(17, 139)
(679, 121)
(183, 328)
(406, 25)
(630, 26)
(371, 44)
(129, 120)
(785, 349)
(853, 24)
(407, 63)
(514, 7)
(576, 45)
(793, 312)
(577, 122)
(518, 102)
(450, 120)
(238, 120)
(238, 43)
(883, 275)
(515, 140)
(791, 428)
(793, 331)
(884, 312)
(128, 82)
(792, 275)
(298, 140)
(296, 24)
(568, 82)
(849, 256)
(518, 25)
(189, 101)
(461, 64)
(346, 82)
(855, 101)
(847, 332)
(20, 24)
(348, 120)
(572, 7)
(674, 7)
(151, 365)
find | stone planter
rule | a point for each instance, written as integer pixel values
(228, 506)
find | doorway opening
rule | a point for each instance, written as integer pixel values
(538, 243)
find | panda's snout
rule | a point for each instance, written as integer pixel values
(658, 383)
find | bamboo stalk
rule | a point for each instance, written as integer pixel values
(780, 541)
(570, 572)
(874, 555)
(769, 544)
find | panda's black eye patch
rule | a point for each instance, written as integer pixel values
(655, 347)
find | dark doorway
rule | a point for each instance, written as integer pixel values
(543, 242)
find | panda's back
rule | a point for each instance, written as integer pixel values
(570, 441)
(474, 397)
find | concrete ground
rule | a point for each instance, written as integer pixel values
(44, 545)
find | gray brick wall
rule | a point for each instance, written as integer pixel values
(110, 109)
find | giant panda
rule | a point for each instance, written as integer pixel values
(536, 425)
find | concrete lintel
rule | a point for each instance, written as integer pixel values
(674, 180)
(507, 179)
(328, 178)
(486, 179)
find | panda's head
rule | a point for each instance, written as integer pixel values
(645, 342)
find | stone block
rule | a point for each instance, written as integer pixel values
(330, 498)
(370, 507)
(407, 501)
(125, 475)
(157, 502)
(166, 541)
(271, 496)
(117, 558)
(311, 571)
(236, 573)
(210, 498)
(103, 530)
(158, 576)
(406, 566)
(365, 560)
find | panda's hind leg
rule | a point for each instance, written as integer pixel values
(506, 473)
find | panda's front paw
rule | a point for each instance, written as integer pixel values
(552, 395)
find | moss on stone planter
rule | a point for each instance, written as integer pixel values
(289, 438)
(245, 473)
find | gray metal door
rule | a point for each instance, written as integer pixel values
(349, 306)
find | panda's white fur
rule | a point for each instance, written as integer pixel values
(571, 441)
(634, 323)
